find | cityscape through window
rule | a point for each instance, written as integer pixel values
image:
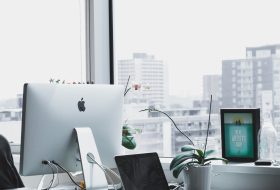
(181, 52)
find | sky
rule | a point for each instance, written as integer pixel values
(193, 37)
(40, 39)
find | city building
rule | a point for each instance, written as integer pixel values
(212, 86)
(159, 134)
(148, 71)
(12, 114)
(244, 81)
(263, 51)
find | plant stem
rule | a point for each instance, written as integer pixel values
(126, 90)
(208, 126)
(151, 110)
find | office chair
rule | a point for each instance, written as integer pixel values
(9, 177)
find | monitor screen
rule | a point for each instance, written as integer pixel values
(52, 111)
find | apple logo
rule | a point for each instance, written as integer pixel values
(81, 105)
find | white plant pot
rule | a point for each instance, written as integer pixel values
(197, 177)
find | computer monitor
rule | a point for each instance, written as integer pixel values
(52, 111)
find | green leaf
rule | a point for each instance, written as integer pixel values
(207, 163)
(200, 153)
(192, 163)
(126, 130)
(208, 152)
(138, 130)
(223, 159)
(187, 148)
(181, 158)
(128, 142)
(177, 170)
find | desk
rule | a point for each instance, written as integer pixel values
(245, 176)
(238, 176)
(241, 176)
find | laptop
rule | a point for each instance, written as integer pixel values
(141, 172)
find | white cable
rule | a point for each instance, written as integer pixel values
(110, 179)
(105, 172)
(41, 183)
(112, 172)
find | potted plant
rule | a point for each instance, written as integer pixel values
(128, 132)
(128, 140)
(194, 162)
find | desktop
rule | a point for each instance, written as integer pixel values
(52, 111)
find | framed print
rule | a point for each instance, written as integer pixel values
(239, 131)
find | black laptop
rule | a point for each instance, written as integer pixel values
(141, 172)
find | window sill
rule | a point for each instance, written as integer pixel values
(245, 168)
(232, 176)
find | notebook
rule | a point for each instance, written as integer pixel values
(141, 172)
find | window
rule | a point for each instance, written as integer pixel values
(191, 42)
(40, 40)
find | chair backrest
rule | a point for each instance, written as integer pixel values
(9, 177)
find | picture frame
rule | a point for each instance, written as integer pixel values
(239, 132)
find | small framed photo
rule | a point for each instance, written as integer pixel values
(239, 131)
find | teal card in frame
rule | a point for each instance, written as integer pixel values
(239, 130)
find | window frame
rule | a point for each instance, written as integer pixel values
(99, 41)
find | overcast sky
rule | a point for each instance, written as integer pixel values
(193, 37)
(40, 39)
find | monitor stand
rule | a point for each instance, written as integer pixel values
(94, 177)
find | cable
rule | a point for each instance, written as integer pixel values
(105, 172)
(56, 176)
(53, 176)
(55, 163)
(109, 177)
(112, 172)
(40, 185)
(178, 187)
(51, 182)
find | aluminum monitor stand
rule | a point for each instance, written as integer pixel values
(93, 175)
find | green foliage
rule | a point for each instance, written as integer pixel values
(128, 140)
(191, 156)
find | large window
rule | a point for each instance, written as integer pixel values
(40, 40)
(183, 51)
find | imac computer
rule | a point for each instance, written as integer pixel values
(50, 114)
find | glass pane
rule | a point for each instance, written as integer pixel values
(181, 52)
(40, 40)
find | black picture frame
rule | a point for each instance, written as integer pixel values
(239, 134)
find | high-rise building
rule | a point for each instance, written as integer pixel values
(150, 73)
(237, 83)
(244, 81)
(212, 86)
(263, 51)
